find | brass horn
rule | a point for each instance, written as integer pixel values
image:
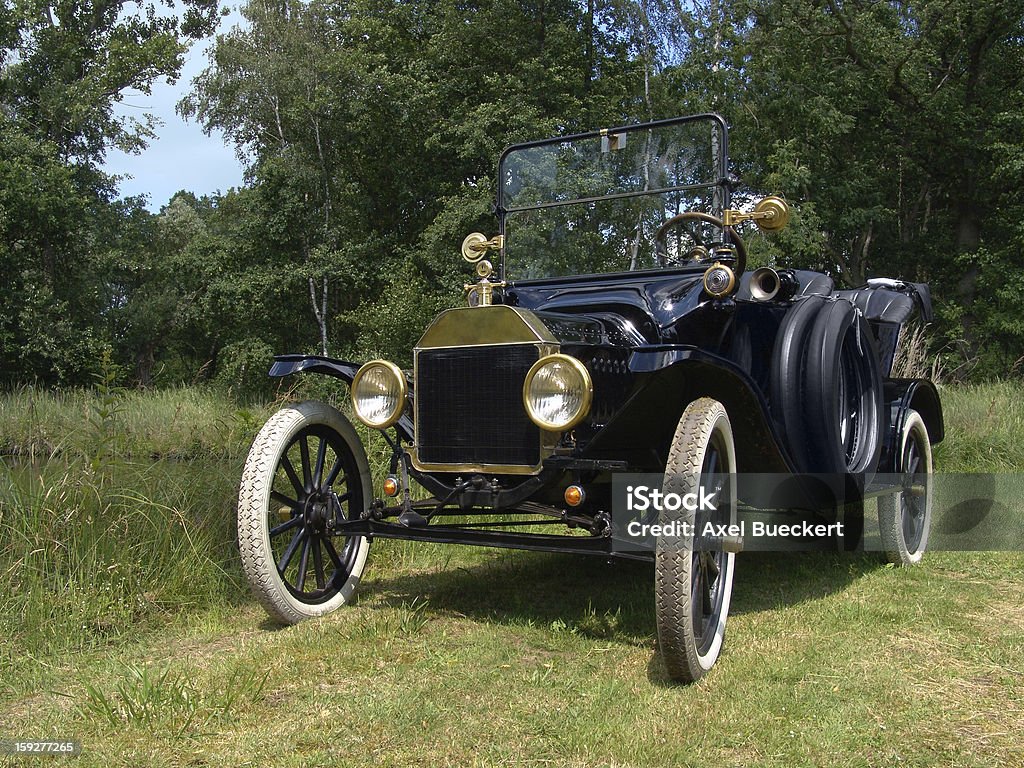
(766, 284)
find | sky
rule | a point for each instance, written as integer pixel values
(182, 156)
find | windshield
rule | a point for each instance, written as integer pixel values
(594, 203)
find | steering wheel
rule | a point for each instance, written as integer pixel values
(661, 241)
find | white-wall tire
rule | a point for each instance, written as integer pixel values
(691, 598)
(286, 512)
(905, 518)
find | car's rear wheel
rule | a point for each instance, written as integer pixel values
(905, 517)
(827, 388)
(693, 576)
(306, 471)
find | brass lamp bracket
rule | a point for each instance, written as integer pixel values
(481, 294)
(771, 215)
(476, 246)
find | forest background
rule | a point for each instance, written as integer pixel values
(370, 129)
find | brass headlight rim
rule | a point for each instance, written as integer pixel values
(588, 391)
(403, 391)
(728, 289)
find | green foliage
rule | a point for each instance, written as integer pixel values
(66, 63)
(50, 295)
(243, 368)
(63, 237)
(103, 419)
(390, 326)
(171, 700)
(371, 129)
(370, 162)
(894, 128)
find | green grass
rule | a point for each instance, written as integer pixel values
(183, 423)
(462, 656)
(86, 558)
(984, 428)
(505, 658)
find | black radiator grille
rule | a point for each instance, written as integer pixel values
(469, 406)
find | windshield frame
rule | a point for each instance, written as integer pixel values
(723, 182)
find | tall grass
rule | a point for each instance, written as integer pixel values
(116, 510)
(172, 423)
(984, 424)
(92, 551)
(85, 558)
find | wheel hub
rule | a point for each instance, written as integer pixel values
(315, 513)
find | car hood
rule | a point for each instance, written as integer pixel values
(635, 308)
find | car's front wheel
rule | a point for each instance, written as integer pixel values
(693, 576)
(306, 472)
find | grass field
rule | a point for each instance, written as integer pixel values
(125, 625)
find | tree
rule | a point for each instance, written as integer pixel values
(45, 219)
(372, 128)
(888, 125)
(67, 62)
(63, 66)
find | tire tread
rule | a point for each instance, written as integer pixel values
(258, 564)
(673, 606)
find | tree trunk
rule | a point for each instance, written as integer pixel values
(320, 312)
(635, 246)
(968, 238)
(589, 74)
(145, 360)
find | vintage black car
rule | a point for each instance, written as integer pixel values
(618, 330)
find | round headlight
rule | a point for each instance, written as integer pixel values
(719, 280)
(378, 394)
(557, 392)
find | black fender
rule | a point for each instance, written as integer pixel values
(669, 377)
(286, 365)
(902, 395)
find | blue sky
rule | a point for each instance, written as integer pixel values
(182, 156)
